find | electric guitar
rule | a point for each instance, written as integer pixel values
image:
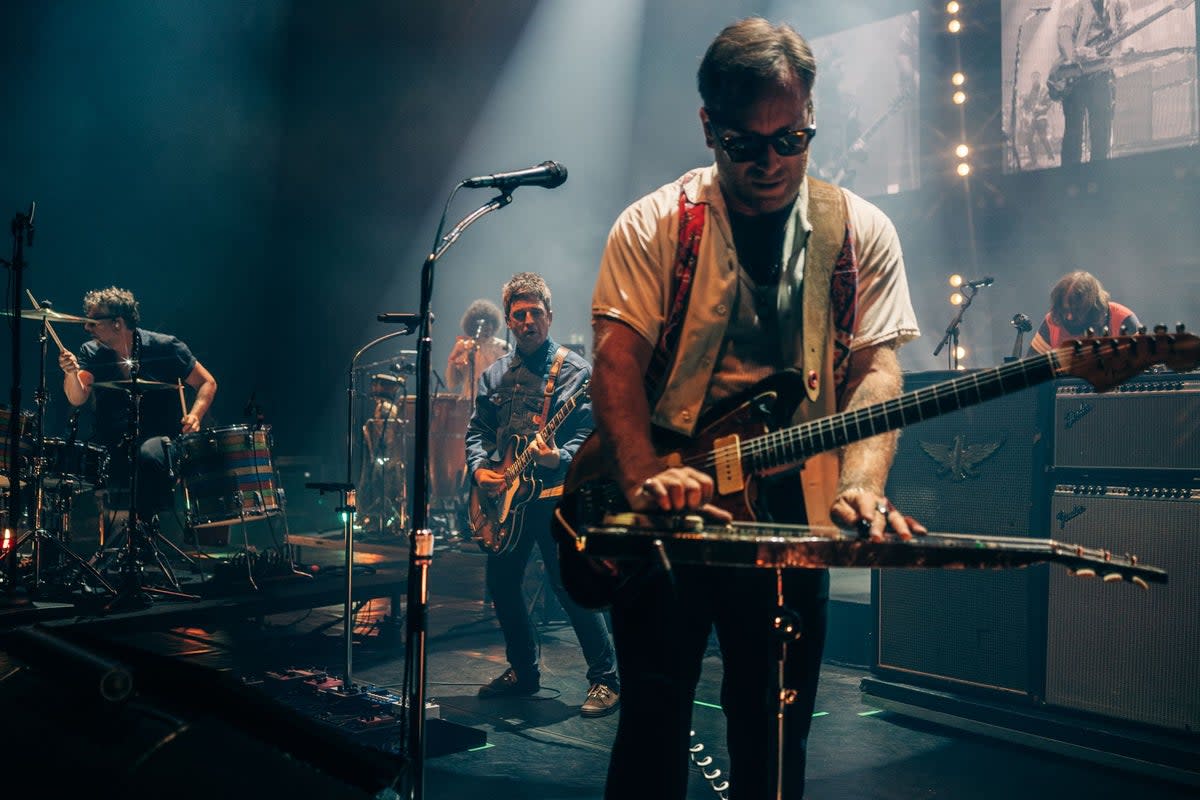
(748, 437)
(1064, 73)
(840, 172)
(496, 519)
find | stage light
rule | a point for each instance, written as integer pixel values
(964, 169)
(958, 79)
(956, 280)
(956, 299)
(962, 151)
(959, 97)
(954, 26)
(960, 353)
(953, 7)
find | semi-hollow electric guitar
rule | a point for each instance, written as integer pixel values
(496, 519)
(748, 437)
(1064, 74)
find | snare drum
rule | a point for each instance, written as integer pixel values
(24, 425)
(80, 465)
(228, 475)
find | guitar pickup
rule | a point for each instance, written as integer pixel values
(727, 452)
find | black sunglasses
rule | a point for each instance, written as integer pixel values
(742, 147)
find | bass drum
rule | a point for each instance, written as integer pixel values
(228, 476)
(449, 416)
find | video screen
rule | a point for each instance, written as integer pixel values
(867, 107)
(1086, 80)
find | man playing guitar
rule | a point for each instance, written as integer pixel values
(1087, 31)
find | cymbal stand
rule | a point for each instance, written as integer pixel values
(38, 534)
(22, 233)
(132, 593)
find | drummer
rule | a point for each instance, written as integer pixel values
(103, 370)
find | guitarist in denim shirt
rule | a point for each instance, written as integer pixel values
(510, 402)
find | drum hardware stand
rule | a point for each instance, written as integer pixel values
(22, 233)
(38, 534)
(1023, 326)
(132, 593)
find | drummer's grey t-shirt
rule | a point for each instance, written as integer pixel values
(163, 358)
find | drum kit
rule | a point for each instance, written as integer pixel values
(388, 445)
(226, 474)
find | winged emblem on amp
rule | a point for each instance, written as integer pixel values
(958, 460)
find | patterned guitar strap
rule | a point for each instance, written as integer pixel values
(560, 355)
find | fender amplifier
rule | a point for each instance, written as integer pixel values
(1114, 649)
(1152, 422)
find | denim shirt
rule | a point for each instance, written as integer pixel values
(509, 403)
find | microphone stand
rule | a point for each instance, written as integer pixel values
(22, 233)
(951, 336)
(1023, 326)
(347, 509)
(420, 552)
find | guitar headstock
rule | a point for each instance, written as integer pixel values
(1108, 361)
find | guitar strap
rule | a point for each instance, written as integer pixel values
(691, 227)
(560, 355)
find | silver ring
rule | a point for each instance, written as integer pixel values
(882, 508)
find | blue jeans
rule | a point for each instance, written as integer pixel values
(505, 582)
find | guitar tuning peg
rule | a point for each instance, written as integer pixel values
(1090, 333)
(1113, 577)
(703, 762)
(1180, 327)
(1105, 331)
(696, 748)
(710, 775)
(1086, 572)
(1141, 329)
(1138, 581)
(1160, 328)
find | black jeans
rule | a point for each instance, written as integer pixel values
(661, 634)
(155, 476)
(505, 582)
(1092, 94)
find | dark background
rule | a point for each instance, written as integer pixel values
(267, 176)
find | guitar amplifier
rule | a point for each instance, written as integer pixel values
(977, 470)
(1113, 649)
(1152, 422)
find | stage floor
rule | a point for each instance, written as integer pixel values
(538, 747)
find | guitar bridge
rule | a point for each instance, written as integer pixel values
(727, 452)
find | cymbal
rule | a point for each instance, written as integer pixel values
(127, 385)
(47, 313)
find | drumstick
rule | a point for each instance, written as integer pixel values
(182, 402)
(49, 327)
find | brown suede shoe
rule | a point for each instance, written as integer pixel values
(601, 701)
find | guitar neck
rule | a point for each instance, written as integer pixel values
(791, 446)
(1125, 34)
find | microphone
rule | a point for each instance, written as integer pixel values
(547, 174)
(479, 323)
(979, 284)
